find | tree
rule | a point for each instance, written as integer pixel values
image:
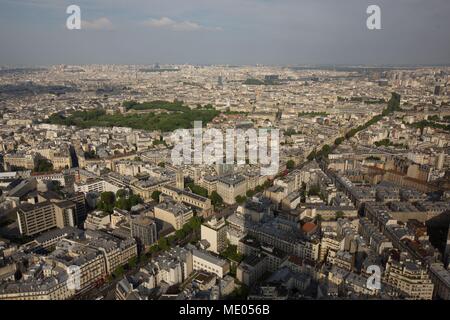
(54, 186)
(43, 165)
(250, 193)
(326, 149)
(179, 116)
(216, 199)
(338, 141)
(314, 190)
(240, 199)
(180, 234)
(171, 239)
(267, 184)
(231, 253)
(155, 195)
(121, 193)
(163, 244)
(125, 201)
(339, 214)
(290, 164)
(107, 201)
(107, 197)
(90, 155)
(197, 189)
(311, 156)
(122, 203)
(133, 200)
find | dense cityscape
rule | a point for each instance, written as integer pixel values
(358, 209)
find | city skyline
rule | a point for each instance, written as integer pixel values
(413, 32)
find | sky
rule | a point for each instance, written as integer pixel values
(237, 32)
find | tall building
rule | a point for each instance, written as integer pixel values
(33, 219)
(180, 179)
(440, 161)
(437, 90)
(215, 232)
(144, 229)
(80, 207)
(251, 269)
(51, 213)
(231, 186)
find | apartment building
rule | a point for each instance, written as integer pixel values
(96, 185)
(251, 269)
(50, 213)
(174, 213)
(144, 229)
(94, 256)
(33, 219)
(202, 260)
(215, 232)
(410, 278)
(441, 280)
(231, 186)
(18, 160)
(50, 288)
(329, 243)
(60, 159)
(97, 220)
(252, 247)
(116, 252)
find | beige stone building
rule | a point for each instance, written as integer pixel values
(26, 161)
(215, 232)
(231, 186)
(410, 278)
(202, 204)
(174, 213)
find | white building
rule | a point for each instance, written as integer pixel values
(202, 260)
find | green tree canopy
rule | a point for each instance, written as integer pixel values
(216, 199)
(155, 195)
(290, 164)
(339, 214)
(240, 199)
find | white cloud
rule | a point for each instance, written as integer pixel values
(97, 24)
(167, 23)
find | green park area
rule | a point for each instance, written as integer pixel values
(162, 115)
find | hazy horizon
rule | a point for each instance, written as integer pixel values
(225, 32)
